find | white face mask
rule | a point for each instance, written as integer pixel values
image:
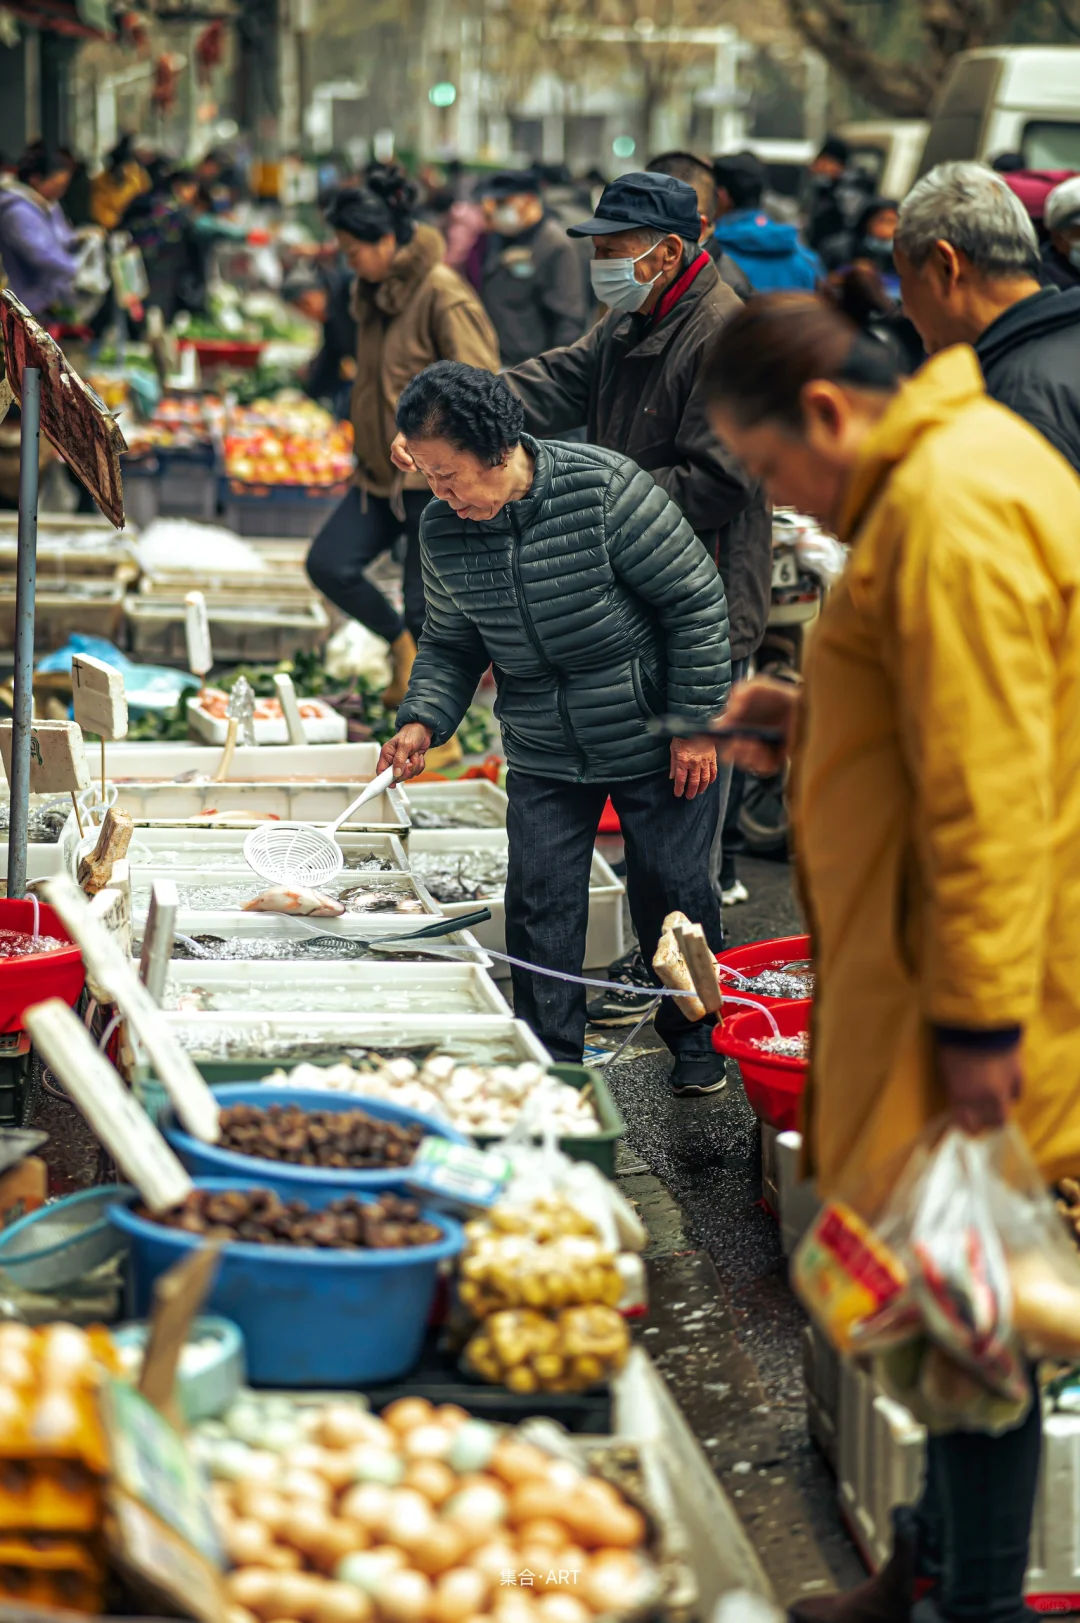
(614, 283)
(1074, 254)
(505, 220)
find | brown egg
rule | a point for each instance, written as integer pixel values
(441, 1548)
(452, 1415)
(493, 1559)
(616, 1526)
(340, 1538)
(403, 1597)
(307, 1457)
(247, 1542)
(406, 1413)
(343, 1424)
(341, 1603)
(514, 1604)
(283, 1559)
(296, 1594)
(613, 1581)
(337, 1467)
(532, 1500)
(297, 1484)
(563, 1606)
(262, 1504)
(251, 1588)
(543, 1530)
(427, 1442)
(459, 1594)
(516, 1462)
(432, 1478)
(239, 1614)
(543, 1563)
(368, 1504)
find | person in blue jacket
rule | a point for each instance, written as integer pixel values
(771, 254)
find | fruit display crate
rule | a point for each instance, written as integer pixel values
(189, 481)
(606, 938)
(281, 510)
(241, 629)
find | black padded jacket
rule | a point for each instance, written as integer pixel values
(1030, 358)
(596, 605)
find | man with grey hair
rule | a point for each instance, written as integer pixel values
(968, 258)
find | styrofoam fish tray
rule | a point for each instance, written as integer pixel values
(286, 1039)
(246, 885)
(464, 799)
(821, 1374)
(224, 848)
(279, 927)
(242, 805)
(328, 727)
(606, 937)
(335, 763)
(241, 630)
(400, 988)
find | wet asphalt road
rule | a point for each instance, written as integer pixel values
(706, 1153)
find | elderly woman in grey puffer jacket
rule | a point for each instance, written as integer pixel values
(579, 580)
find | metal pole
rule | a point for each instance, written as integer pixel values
(25, 587)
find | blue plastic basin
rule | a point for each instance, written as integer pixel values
(309, 1317)
(294, 1183)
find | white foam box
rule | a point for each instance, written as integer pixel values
(254, 927)
(224, 848)
(244, 804)
(244, 886)
(477, 802)
(606, 939)
(343, 987)
(333, 763)
(797, 1198)
(821, 1373)
(881, 1457)
(266, 1041)
(328, 727)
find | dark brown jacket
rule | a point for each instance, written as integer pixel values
(637, 390)
(422, 313)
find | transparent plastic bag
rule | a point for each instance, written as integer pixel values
(966, 1249)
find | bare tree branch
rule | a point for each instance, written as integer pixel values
(904, 88)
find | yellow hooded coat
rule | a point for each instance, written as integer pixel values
(936, 783)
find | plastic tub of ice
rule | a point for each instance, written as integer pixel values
(447, 852)
(384, 988)
(223, 1042)
(474, 803)
(223, 848)
(243, 805)
(274, 937)
(225, 890)
(333, 763)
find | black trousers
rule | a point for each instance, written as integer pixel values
(551, 827)
(359, 528)
(973, 1524)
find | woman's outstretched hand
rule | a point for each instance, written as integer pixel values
(693, 765)
(764, 702)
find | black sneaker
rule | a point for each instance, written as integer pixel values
(616, 1008)
(695, 1074)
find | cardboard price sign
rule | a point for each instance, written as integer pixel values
(74, 419)
(112, 970)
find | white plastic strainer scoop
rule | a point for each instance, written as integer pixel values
(303, 853)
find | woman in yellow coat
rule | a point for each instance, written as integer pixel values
(936, 815)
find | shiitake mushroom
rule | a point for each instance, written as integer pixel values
(259, 1217)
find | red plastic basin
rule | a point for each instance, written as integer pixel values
(774, 1085)
(761, 955)
(40, 975)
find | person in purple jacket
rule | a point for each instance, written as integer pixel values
(37, 243)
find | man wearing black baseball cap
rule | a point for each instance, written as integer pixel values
(532, 281)
(633, 383)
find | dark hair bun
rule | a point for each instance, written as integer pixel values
(389, 182)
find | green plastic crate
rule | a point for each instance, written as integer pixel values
(600, 1148)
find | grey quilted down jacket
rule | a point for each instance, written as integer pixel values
(596, 605)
